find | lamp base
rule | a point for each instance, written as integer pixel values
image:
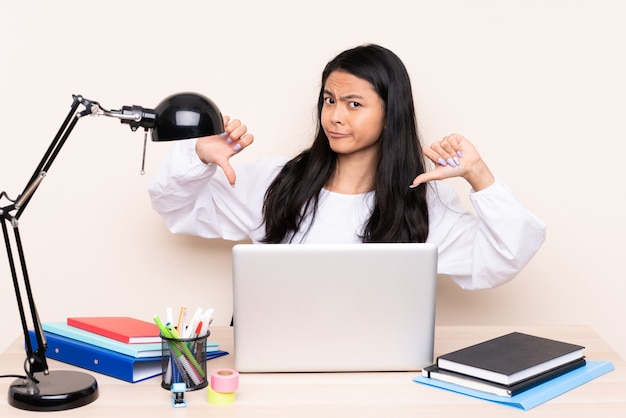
(56, 391)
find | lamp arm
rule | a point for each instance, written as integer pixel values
(135, 116)
(35, 359)
(47, 159)
(10, 214)
(20, 304)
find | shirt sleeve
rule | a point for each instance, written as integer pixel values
(196, 198)
(486, 249)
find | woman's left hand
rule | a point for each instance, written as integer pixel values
(455, 156)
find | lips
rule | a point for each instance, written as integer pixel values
(337, 135)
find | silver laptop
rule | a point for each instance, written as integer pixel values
(333, 308)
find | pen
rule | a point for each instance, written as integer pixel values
(166, 334)
(198, 329)
(169, 315)
(193, 323)
(164, 330)
(206, 320)
(181, 319)
(197, 348)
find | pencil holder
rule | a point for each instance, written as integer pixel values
(184, 360)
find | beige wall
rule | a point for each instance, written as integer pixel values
(538, 86)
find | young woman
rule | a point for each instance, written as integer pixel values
(363, 179)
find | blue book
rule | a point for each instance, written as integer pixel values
(101, 360)
(133, 350)
(536, 395)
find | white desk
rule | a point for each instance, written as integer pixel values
(322, 395)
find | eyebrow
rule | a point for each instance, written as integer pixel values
(347, 97)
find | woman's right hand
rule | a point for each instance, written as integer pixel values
(217, 149)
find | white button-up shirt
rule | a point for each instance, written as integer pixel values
(476, 251)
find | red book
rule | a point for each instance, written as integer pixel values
(121, 328)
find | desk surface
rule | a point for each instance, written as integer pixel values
(345, 394)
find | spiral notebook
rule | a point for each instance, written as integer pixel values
(342, 307)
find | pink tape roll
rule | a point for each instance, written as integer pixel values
(225, 380)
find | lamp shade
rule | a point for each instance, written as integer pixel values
(185, 116)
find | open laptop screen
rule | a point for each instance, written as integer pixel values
(339, 307)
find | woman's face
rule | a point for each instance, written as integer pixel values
(353, 115)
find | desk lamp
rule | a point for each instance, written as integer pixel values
(180, 116)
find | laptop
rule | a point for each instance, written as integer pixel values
(333, 308)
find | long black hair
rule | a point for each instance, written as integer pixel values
(400, 214)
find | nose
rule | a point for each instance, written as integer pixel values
(336, 115)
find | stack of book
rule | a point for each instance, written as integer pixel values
(511, 366)
(125, 348)
(507, 365)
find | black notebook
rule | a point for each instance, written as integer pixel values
(435, 372)
(510, 358)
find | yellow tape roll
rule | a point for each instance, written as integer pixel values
(218, 398)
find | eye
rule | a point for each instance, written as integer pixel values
(329, 100)
(354, 104)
